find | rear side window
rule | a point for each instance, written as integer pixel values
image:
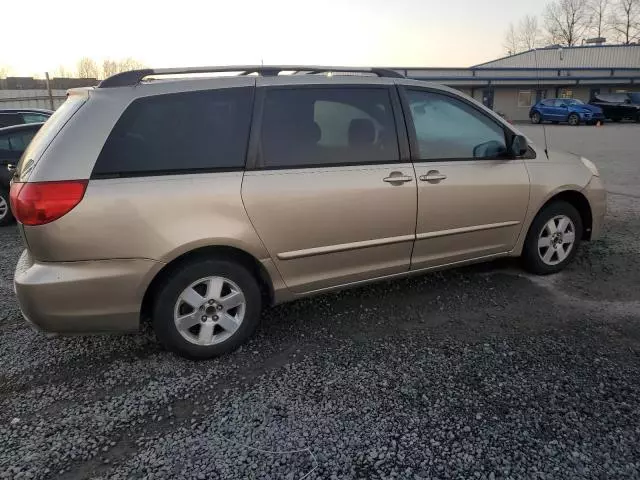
(8, 119)
(16, 142)
(34, 117)
(179, 133)
(308, 127)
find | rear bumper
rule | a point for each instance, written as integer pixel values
(597, 197)
(82, 297)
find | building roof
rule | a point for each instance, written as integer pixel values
(596, 56)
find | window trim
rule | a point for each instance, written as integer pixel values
(256, 126)
(413, 138)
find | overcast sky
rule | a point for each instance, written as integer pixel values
(225, 32)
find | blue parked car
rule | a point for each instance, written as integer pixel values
(569, 110)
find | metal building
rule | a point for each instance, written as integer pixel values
(512, 84)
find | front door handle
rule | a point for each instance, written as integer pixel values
(433, 176)
(397, 178)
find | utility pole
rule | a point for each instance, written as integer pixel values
(46, 74)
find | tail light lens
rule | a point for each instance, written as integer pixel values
(43, 202)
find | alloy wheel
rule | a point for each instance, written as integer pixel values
(209, 311)
(556, 240)
(4, 207)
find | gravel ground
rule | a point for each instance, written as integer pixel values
(481, 372)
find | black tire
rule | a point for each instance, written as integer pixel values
(616, 119)
(573, 120)
(536, 118)
(167, 293)
(6, 216)
(530, 252)
(555, 122)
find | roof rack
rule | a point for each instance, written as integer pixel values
(133, 77)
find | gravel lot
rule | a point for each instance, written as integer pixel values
(482, 372)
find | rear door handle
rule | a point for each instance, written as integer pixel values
(433, 176)
(397, 177)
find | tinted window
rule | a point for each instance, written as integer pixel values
(8, 119)
(16, 142)
(34, 117)
(448, 128)
(327, 126)
(183, 132)
(20, 140)
(547, 103)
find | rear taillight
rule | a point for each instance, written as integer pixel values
(43, 202)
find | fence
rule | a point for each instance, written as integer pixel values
(27, 92)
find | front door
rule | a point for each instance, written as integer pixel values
(472, 199)
(326, 188)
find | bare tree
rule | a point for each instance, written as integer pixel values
(129, 63)
(512, 40)
(62, 72)
(599, 12)
(87, 68)
(625, 21)
(109, 67)
(529, 32)
(566, 21)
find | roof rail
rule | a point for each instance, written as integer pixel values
(133, 77)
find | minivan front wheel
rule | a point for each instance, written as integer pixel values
(206, 308)
(6, 217)
(553, 238)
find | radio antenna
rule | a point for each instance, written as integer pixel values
(544, 130)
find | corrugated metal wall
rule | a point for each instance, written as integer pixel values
(605, 56)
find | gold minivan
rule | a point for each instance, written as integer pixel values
(198, 200)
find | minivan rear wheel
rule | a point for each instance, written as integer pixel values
(206, 308)
(6, 217)
(553, 238)
(536, 118)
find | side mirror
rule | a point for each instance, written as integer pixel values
(490, 149)
(519, 146)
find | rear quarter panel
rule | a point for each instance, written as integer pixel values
(157, 218)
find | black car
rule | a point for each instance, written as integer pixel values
(13, 142)
(19, 116)
(619, 106)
